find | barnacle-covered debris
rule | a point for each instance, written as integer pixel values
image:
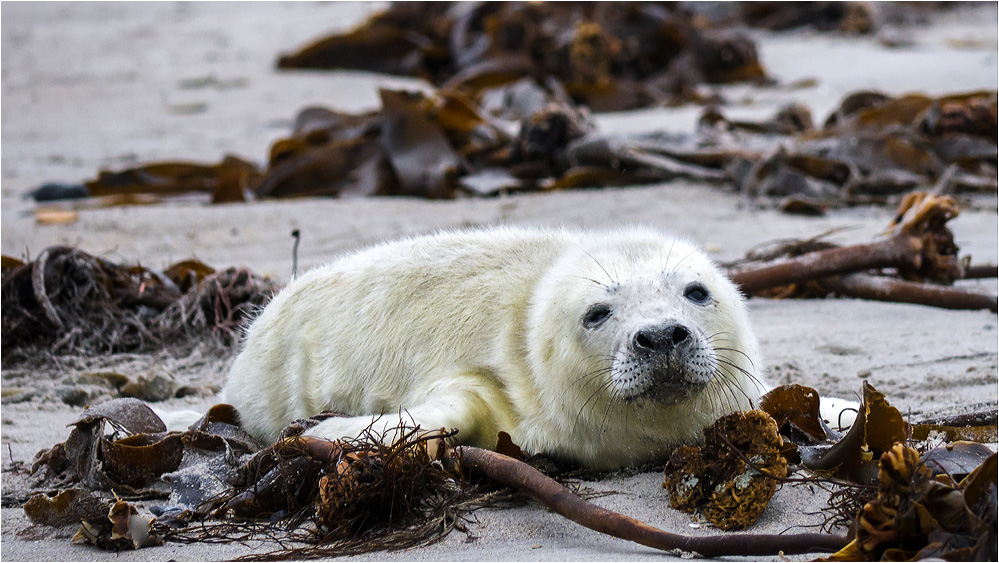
(68, 301)
(716, 480)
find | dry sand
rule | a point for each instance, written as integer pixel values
(88, 86)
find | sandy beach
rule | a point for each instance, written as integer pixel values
(90, 86)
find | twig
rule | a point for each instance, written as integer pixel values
(881, 288)
(297, 235)
(545, 490)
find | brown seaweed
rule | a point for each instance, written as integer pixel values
(68, 301)
(918, 515)
(608, 56)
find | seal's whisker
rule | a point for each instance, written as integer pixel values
(748, 374)
(592, 374)
(730, 400)
(751, 376)
(736, 386)
(682, 260)
(601, 266)
(596, 391)
(737, 351)
(669, 254)
(599, 284)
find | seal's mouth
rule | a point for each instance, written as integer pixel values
(667, 392)
(662, 377)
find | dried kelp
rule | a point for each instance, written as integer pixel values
(875, 451)
(848, 17)
(68, 301)
(918, 515)
(875, 146)
(877, 427)
(606, 55)
(715, 480)
(228, 181)
(120, 445)
(67, 507)
(354, 496)
(530, 135)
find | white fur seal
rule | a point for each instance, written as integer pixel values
(606, 348)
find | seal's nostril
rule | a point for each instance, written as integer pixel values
(680, 334)
(642, 340)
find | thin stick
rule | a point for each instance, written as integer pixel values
(297, 235)
(880, 288)
(545, 490)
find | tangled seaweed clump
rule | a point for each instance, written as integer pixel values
(68, 301)
(717, 481)
(921, 516)
(360, 495)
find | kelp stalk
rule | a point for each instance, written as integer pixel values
(554, 496)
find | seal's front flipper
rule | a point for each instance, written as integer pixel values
(470, 402)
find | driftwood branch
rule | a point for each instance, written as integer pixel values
(896, 251)
(545, 490)
(881, 288)
(981, 271)
(919, 246)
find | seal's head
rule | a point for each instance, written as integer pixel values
(652, 336)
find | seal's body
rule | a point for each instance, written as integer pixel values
(606, 348)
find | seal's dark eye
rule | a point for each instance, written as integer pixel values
(696, 293)
(596, 315)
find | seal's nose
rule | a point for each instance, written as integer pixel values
(661, 339)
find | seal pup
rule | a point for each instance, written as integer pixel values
(605, 348)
